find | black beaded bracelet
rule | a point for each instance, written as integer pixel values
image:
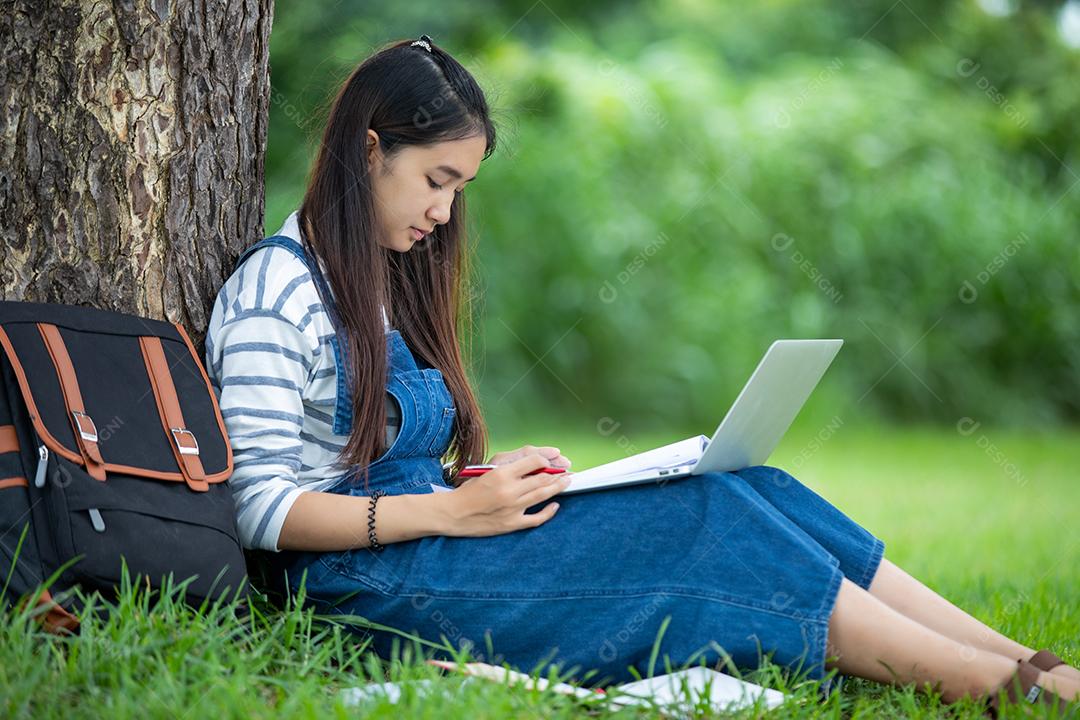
(374, 543)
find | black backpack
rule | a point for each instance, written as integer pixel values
(113, 454)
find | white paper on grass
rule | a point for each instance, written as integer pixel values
(392, 691)
(682, 691)
(678, 692)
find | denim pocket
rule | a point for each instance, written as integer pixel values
(441, 442)
(395, 450)
(359, 566)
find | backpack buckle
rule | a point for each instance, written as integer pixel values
(192, 449)
(86, 426)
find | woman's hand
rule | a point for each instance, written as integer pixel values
(494, 503)
(551, 453)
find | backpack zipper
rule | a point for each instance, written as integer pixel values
(39, 481)
(96, 520)
(43, 462)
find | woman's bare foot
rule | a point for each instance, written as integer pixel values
(1066, 671)
(1066, 688)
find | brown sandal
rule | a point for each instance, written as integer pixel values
(1045, 660)
(1023, 687)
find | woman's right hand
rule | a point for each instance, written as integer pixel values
(494, 503)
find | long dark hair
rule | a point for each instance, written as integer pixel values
(409, 96)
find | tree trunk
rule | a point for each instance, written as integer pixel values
(131, 151)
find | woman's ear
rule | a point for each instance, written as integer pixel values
(372, 147)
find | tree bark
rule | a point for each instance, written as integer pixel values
(132, 137)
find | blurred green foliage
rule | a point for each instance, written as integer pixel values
(680, 182)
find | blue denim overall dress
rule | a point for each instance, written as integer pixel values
(744, 565)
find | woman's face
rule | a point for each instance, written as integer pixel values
(414, 189)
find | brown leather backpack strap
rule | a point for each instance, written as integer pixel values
(9, 439)
(85, 431)
(51, 615)
(184, 443)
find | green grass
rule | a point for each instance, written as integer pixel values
(994, 533)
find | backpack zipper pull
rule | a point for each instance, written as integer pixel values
(43, 462)
(96, 520)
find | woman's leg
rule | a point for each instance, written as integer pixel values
(908, 596)
(869, 639)
(857, 551)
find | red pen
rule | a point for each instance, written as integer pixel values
(477, 470)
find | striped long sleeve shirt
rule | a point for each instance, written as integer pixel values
(270, 361)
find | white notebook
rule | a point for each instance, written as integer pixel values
(678, 454)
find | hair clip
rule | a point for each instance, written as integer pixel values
(424, 42)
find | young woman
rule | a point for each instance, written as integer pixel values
(335, 350)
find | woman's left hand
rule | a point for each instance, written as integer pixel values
(551, 453)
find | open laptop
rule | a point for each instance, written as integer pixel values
(751, 430)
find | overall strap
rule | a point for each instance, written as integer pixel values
(282, 241)
(287, 243)
(343, 407)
